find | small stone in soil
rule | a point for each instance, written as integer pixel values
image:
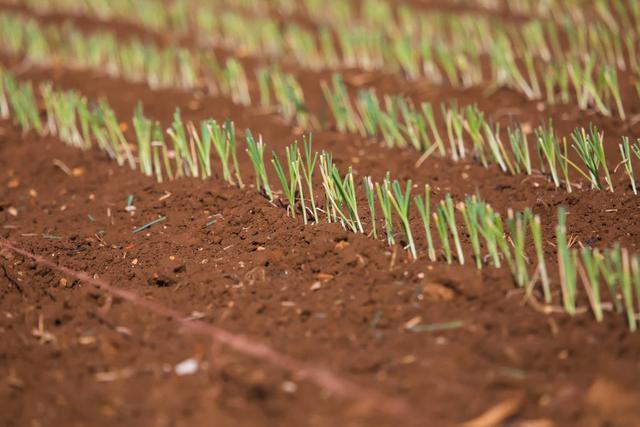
(187, 367)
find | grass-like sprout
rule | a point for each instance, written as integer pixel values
(449, 215)
(347, 191)
(548, 150)
(454, 122)
(609, 267)
(401, 202)
(326, 164)
(385, 205)
(340, 193)
(61, 107)
(213, 133)
(424, 208)
(338, 100)
(517, 224)
(469, 210)
(368, 108)
(487, 219)
(185, 163)
(201, 139)
(536, 234)
(290, 97)
(589, 274)
(256, 154)
(143, 128)
(289, 183)
(307, 168)
(590, 149)
(415, 127)
(627, 288)
(160, 155)
(223, 138)
(520, 149)
(611, 79)
(24, 106)
(564, 166)
(85, 119)
(497, 148)
(236, 80)
(567, 260)
(427, 111)
(474, 124)
(107, 118)
(440, 220)
(369, 190)
(262, 76)
(625, 152)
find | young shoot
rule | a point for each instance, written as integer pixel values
(401, 201)
(369, 190)
(625, 152)
(256, 155)
(289, 183)
(449, 215)
(536, 234)
(424, 208)
(590, 149)
(385, 204)
(567, 264)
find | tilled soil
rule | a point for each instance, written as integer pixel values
(74, 355)
(316, 293)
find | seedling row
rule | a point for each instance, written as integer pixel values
(450, 229)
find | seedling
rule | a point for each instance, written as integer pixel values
(536, 234)
(371, 202)
(385, 204)
(424, 208)
(256, 154)
(567, 260)
(401, 202)
(625, 152)
(590, 148)
(289, 183)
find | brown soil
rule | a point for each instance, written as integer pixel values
(315, 293)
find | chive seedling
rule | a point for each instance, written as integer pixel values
(338, 100)
(290, 183)
(547, 148)
(308, 166)
(424, 208)
(469, 210)
(347, 193)
(385, 204)
(186, 164)
(625, 152)
(536, 233)
(256, 154)
(401, 202)
(627, 289)
(369, 191)
(520, 149)
(440, 220)
(427, 111)
(449, 215)
(590, 149)
(590, 278)
(517, 223)
(566, 264)
(143, 127)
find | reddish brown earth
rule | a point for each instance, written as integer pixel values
(315, 293)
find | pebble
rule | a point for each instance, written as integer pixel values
(187, 367)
